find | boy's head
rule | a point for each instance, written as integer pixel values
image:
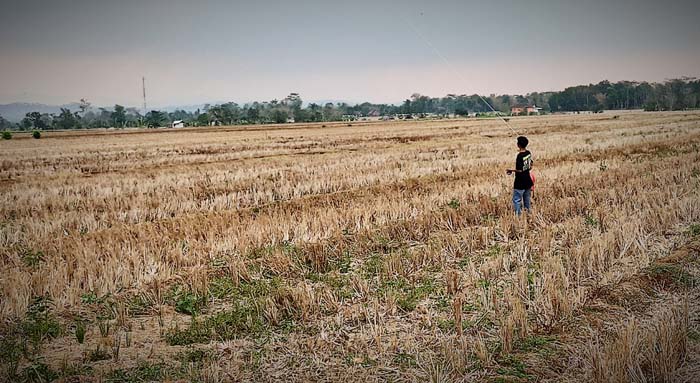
(522, 142)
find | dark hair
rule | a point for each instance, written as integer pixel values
(522, 142)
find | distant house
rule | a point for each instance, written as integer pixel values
(178, 124)
(524, 109)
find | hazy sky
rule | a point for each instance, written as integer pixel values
(58, 51)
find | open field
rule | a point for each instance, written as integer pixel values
(372, 252)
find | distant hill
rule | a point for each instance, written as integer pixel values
(16, 111)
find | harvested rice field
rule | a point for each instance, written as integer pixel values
(376, 251)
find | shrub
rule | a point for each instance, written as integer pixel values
(36, 134)
(6, 135)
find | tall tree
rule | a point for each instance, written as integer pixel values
(293, 100)
(37, 120)
(66, 119)
(155, 119)
(4, 124)
(279, 116)
(84, 106)
(118, 116)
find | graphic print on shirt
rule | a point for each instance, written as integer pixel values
(527, 162)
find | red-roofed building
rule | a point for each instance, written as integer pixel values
(524, 109)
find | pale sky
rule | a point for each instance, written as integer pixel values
(204, 51)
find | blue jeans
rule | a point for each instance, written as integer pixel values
(521, 196)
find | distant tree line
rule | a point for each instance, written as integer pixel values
(675, 94)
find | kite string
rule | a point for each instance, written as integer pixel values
(454, 71)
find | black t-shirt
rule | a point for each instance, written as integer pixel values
(522, 179)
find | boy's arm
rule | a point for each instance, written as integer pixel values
(532, 165)
(510, 171)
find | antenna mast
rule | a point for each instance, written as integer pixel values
(143, 83)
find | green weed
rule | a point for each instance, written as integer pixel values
(344, 263)
(12, 347)
(494, 250)
(144, 372)
(694, 335)
(454, 203)
(240, 320)
(694, 229)
(195, 357)
(372, 266)
(187, 301)
(70, 370)
(91, 298)
(32, 258)
(534, 343)
(196, 332)
(140, 304)
(80, 331)
(97, 354)
(243, 319)
(259, 287)
(405, 360)
(408, 296)
(671, 275)
(39, 372)
(511, 366)
(40, 323)
(591, 221)
(222, 288)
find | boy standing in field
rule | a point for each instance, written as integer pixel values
(523, 182)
